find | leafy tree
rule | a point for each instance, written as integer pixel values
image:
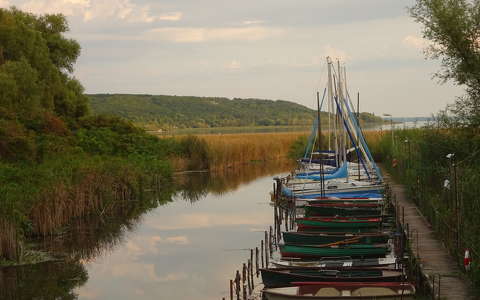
(36, 62)
(453, 27)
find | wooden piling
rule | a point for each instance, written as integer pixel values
(251, 276)
(266, 250)
(270, 240)
(237, 284)
(244, 278)
(286, 220)
(261, 253)
(249, 283)
(256, 261)
(231, 289)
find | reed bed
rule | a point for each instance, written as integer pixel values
(230, 150)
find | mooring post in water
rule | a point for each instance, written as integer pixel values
(256, 261)
(244, 279)
(270, 240)
(237, 284)
(275, 221)
(286, 220)
(261, 253)
(251, 258)
(251, 275)
(274, 193)
(266, 250)
(248, 278)
(231, 289)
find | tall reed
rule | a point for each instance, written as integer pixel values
(229, 150)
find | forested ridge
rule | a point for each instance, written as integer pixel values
(203, 112)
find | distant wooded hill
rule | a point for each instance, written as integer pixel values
(203, 112)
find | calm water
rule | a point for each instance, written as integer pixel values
(187, 248)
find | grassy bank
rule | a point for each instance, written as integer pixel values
(418, 158)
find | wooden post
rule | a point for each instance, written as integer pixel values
(251, 276)
(237, 284)
(261, 253)
(270, 240)
(231, 289)
(244, 278)
(274, 192)
(266, 251)
(248, 278)
(286, 220)
(256, 261)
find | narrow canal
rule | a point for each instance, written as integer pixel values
(182, 249)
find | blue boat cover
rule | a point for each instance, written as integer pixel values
(341, 172)
(374, 193)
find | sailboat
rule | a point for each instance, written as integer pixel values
(335, 175)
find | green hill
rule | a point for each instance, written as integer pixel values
(204, 112)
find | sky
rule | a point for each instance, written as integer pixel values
(266, 49)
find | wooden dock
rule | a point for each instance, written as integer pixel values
(430, 251)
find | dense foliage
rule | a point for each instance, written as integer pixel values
(452, 207)
(453, 28)
(199, 112)
(57, 162)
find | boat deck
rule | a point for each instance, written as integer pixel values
(433, 255)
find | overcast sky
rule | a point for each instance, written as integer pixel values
(269, 49)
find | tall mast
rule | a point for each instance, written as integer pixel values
(322, 181)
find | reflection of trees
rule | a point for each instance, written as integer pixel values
(88, 238)
(42, 281)
(195, 186)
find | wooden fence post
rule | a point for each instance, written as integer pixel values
(256, 261)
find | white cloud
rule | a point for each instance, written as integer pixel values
(99, 9)
(196, 35)
(135, 271)
(416, 42)
(4, 3)
(253, 22)
(233, 65)
(174, 16)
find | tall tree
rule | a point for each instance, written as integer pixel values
(36, 62)
(453, 27)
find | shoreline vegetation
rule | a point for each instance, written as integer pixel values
(59, 163)
(445, 189)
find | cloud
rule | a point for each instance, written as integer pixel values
(253, 22)
(207, 220)
(142, 245)
(416, 42)
(135, 271)
(233, 65)
(99, 9)
(174, 16)
(201, 34)
(4, 3)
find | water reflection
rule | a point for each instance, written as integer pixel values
(56, 280)
(196, 186)
(178, 244)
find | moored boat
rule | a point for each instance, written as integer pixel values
(337, 222)
(383, 262)
(343, 290)
(357, 250)
(284, 277)
(313, 238)
(343, 210)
